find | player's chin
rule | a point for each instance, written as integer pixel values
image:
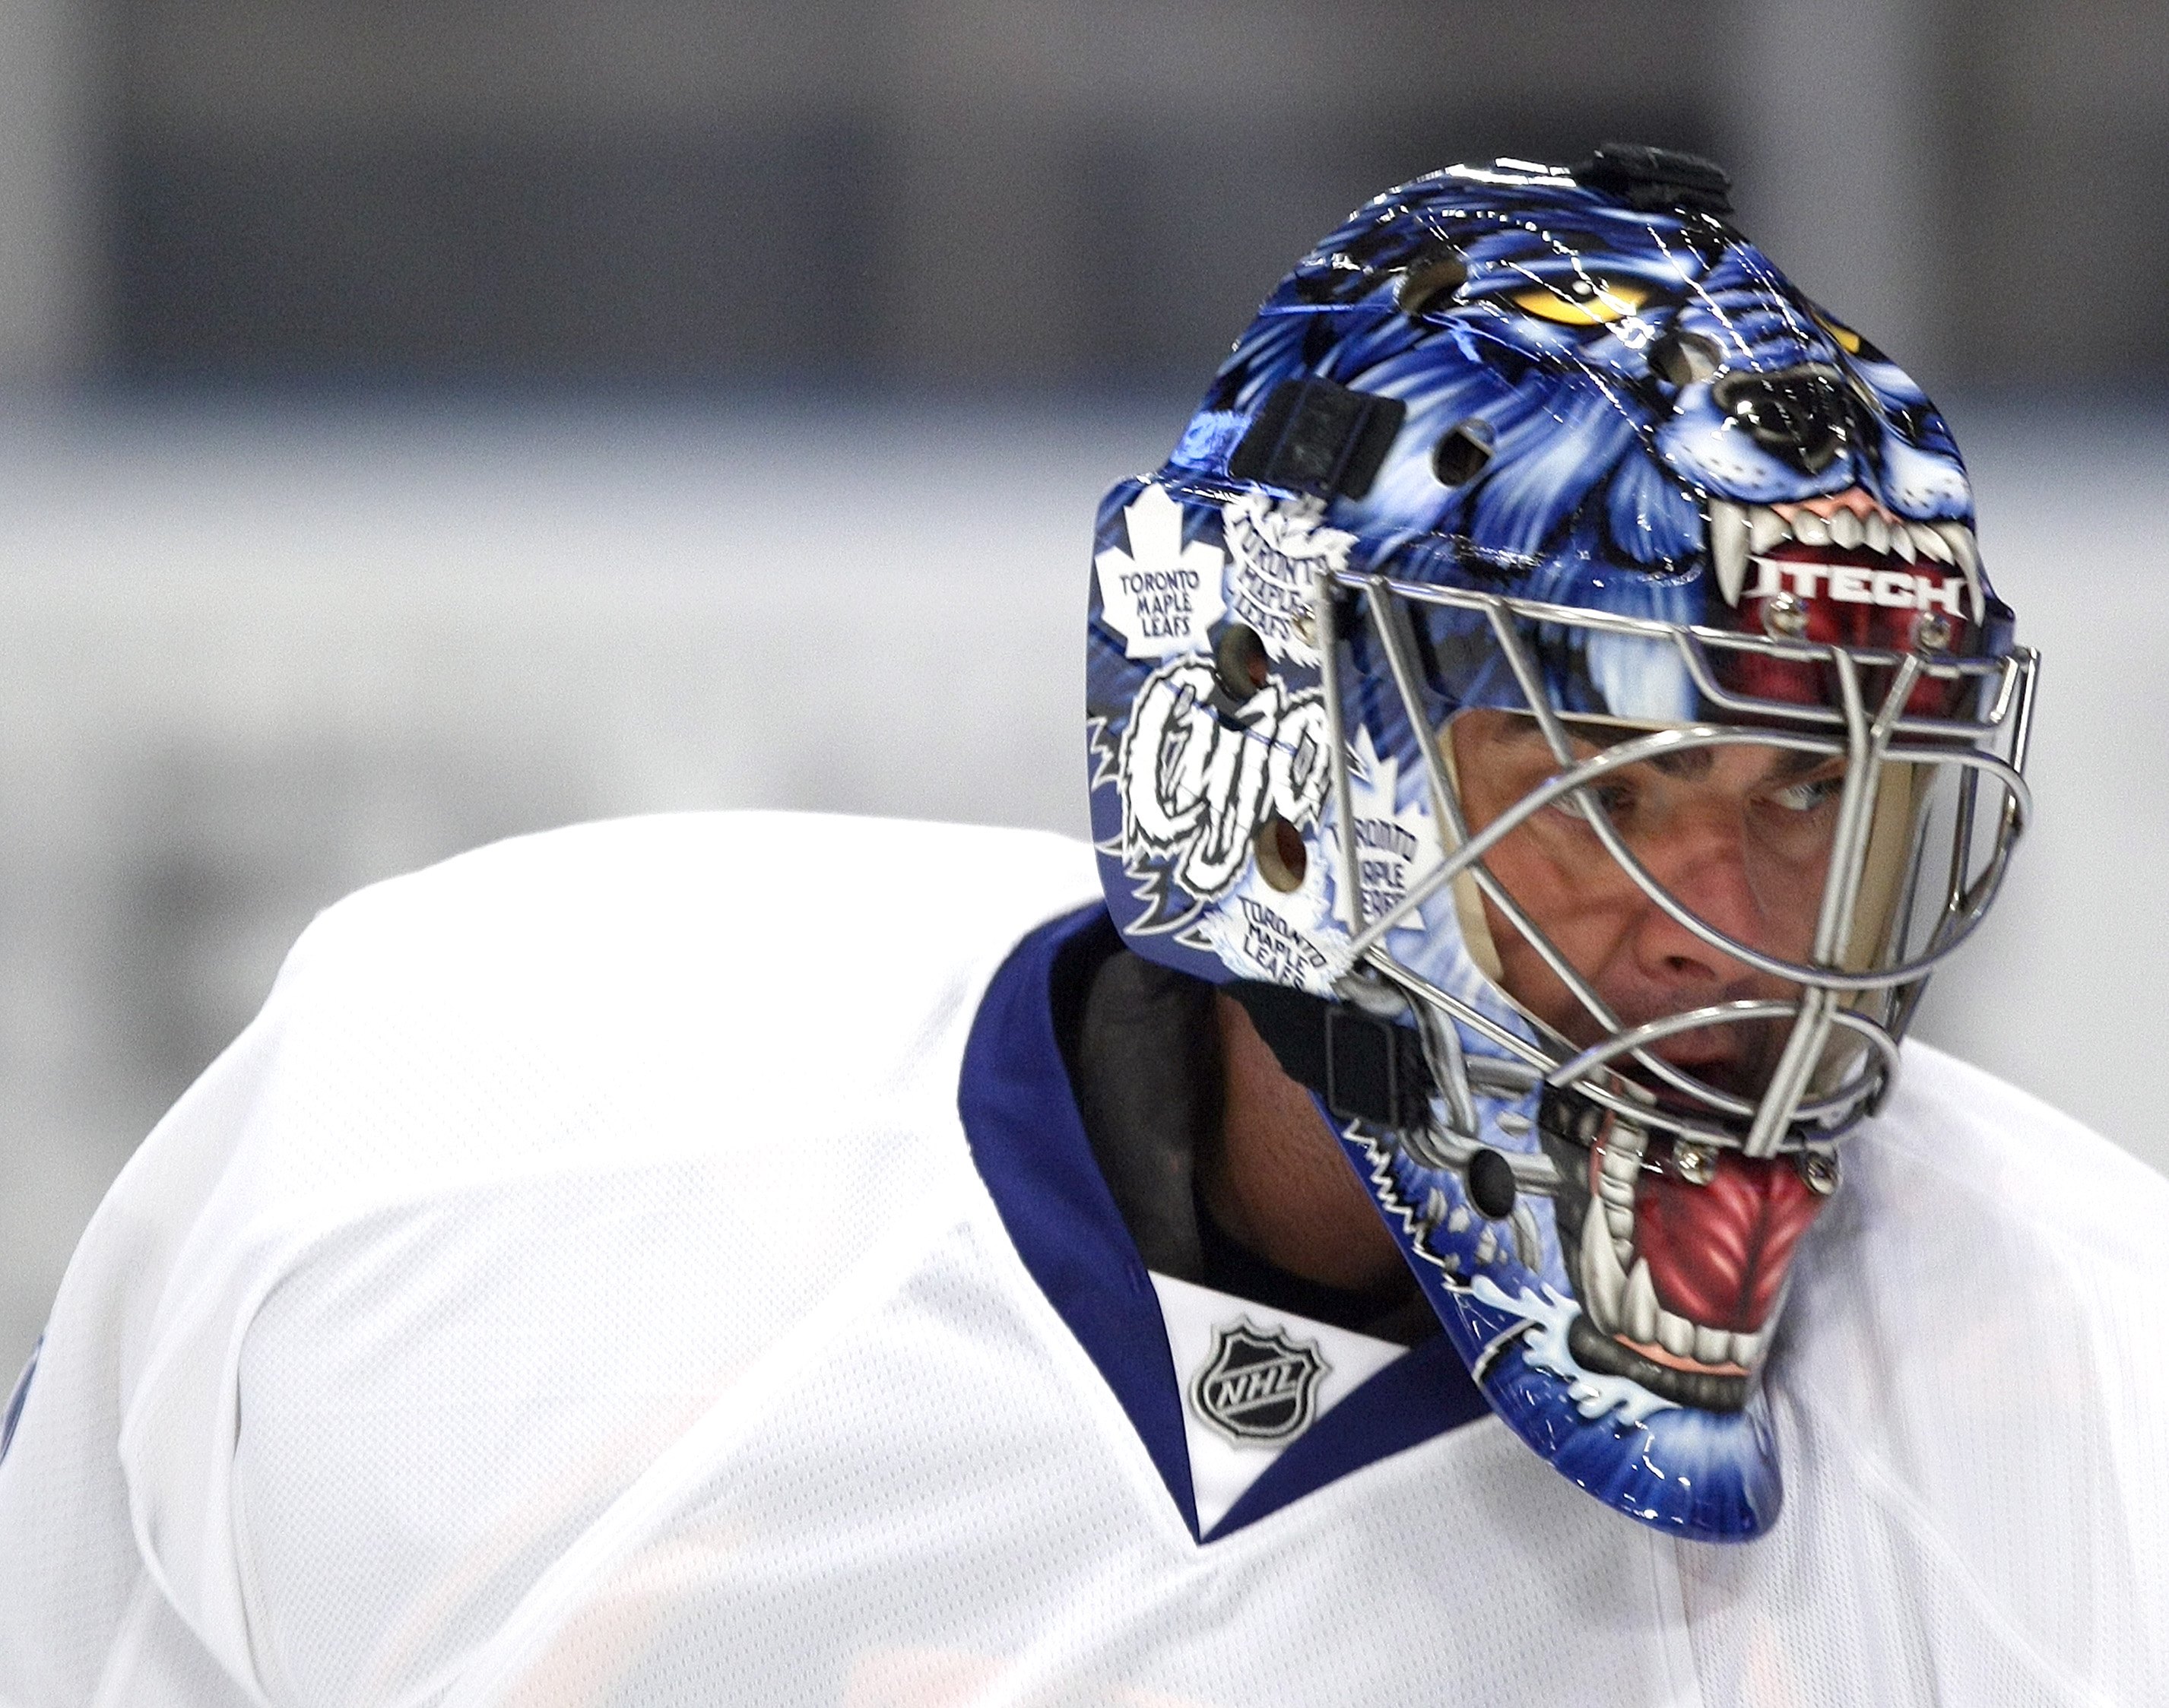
(1737, 1060)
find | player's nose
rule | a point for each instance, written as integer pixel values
(1703, 859)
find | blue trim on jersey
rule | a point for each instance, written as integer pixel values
(17, 1400)
(1424, 1393)
(1028, 1141)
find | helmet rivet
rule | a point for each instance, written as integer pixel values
(1933, 633)
(1818, 1168)
(1306, 628)
(1694, 1162)
(1784, 616)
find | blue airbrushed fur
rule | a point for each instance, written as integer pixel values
(1595, 497)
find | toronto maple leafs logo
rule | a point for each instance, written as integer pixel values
(1161, 596)
(1278, 550)
(1198, 778)
(1395, 843)
(1282, 940)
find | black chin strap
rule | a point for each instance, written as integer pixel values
(1366, 1068)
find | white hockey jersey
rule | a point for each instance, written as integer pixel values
(579, 1287)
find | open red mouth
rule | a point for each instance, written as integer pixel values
(1688, 1276)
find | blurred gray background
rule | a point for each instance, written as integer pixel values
(428, 422)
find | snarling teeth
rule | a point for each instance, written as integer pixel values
(1855, 523)
(1621, 1301)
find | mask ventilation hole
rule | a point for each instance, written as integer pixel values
(1239, 661)
(1464, 449)
(1283, 859)
(1491, 1185)
(1432, 284)
(1681, 359)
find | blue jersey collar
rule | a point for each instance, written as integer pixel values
(1028, 1141)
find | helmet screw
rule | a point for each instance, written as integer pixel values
(1694, 1162)
(1784, 616)
(1306, 628)
(1818, 1168)
(1932, 632)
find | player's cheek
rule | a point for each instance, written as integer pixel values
(1795, 848)
(1572, 888)
(1786, 882)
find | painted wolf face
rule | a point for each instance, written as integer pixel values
(1537, 522)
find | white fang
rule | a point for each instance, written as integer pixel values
(1729, 535)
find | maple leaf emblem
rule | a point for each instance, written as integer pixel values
(1279, 549)
(1395, 844)
(1161, 596)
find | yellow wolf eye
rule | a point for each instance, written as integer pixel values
(1848, 340)
(1581, 301)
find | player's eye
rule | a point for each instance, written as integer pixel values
(1617, 799)
(1809, 796)
(1586, 300)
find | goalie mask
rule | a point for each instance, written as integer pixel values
(1554, 687)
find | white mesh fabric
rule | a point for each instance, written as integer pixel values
(156, 1659)
(1971, 1389)
(571, 1290)
(947, 1506)
(586, 1000)
(495, 1364)
(72, 1614)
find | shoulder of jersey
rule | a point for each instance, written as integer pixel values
(629, 984)
(1987, 1156)
(1967, 1194)
(748, 894)
(1984, 1300)
(1971, 1371)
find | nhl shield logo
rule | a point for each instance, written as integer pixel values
(1258, 1386)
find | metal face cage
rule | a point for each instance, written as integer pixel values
(1931, 804)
